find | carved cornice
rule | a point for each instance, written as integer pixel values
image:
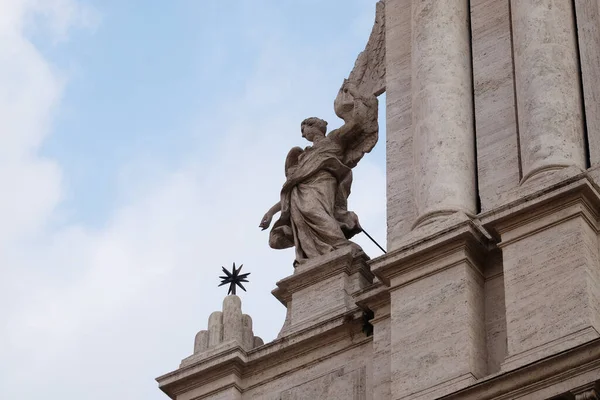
(418, 259)
(555, 201)
(232, 363)
(215, 392)
(374, 296)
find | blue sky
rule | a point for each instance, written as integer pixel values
(149, 72)
(140, 144)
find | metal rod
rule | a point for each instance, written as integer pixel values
(373, 240)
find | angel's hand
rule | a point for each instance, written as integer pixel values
(266, 221)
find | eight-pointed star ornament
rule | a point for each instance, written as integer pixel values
(234, 278)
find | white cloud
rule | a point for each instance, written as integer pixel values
(98, 314)
(30, 185)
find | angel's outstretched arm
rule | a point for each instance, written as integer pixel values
(268, 217)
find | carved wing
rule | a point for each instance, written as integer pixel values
(366, 131)
(291, 161)
(368, 76)
(369, 69)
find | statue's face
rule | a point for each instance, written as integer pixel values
(309, 132)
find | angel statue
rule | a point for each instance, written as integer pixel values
(314, 216)
(313, 203)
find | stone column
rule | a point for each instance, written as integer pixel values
(548, 88)
(442, 108)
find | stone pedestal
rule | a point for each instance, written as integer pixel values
(437, 313)
(322, 288)
(551, 272)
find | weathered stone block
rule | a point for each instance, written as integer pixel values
(376, 298)
(552, 274)
(437, 314)
(337, 385)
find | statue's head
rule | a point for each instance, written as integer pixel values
(344, 102)
(312, 128)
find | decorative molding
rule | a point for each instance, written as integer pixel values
(583, 336)
(533, 377)
(466, 238)
(542, 202)
(217, 391)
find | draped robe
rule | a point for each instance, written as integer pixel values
(314, 199)
(314, 216)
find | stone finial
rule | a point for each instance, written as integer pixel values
(227, 326)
